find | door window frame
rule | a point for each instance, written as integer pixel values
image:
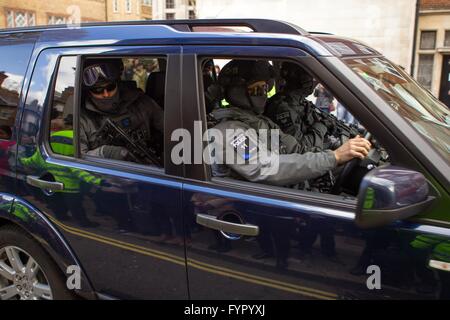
(172, 56)
(192, 58)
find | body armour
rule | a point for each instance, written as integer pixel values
(294, 116)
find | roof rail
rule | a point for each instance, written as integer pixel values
(257, 25)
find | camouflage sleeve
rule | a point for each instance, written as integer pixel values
(265, 166)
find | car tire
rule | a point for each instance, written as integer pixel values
(46, 283)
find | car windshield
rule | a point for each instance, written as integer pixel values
(428, 116)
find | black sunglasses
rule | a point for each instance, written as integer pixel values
(99, 90)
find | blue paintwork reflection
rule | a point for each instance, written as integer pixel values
(300, 247)
(126, 229)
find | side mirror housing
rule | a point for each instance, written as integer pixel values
(391, 193)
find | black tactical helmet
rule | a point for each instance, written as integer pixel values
(245, 72)
(237, 78)
(98, 72)
(297, 78)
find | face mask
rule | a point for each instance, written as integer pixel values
(108, 105)
(239, 97)
(258, 103)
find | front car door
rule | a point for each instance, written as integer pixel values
(116, 216)
(299, 245)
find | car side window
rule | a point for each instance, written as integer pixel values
(121, 112)
(61, 123)
(255, 98)
(12, 72)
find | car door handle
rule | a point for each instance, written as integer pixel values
(43, 184)
(237, 228)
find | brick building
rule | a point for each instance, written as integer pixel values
(433, 47)
(20, 13)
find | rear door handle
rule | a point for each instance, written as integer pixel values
(225, 226)
(43, 184)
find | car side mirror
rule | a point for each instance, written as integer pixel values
(391, 193)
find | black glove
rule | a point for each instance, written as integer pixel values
(115, 152)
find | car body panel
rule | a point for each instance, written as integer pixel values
(125, 256)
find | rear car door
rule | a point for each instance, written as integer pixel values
(115, 216)
(250, 241)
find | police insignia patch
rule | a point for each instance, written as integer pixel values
(241, 144)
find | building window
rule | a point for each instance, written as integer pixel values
(56, 19)
(447, 38)
(191, 14)
(170, 16)
(146, 2)
(170, 4)
(20, 18)
(427, 40)
(128, 6)
(116, 6)
(425, 70)
(191, 3)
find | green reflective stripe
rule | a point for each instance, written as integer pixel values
(61, 139)
(442, 252)
(87, 177)
(272, 92)
(369, 198)
(426, 241)
(63, 149)
(62, 142)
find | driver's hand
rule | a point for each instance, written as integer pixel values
(354, 148)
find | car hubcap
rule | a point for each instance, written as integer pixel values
(21, 277)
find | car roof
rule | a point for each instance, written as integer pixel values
(194, 32)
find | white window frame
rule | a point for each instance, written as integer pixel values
(52, 19)
(12, 14)
(128, 6)
(115, 5)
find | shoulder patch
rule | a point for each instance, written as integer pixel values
(241, 144)
(284, 119)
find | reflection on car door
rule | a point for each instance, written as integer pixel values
(297, 245)
(116, 225)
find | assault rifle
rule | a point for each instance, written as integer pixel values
(138, 152)
(336, 127)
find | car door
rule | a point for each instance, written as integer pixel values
(113, 215)
(252, 241)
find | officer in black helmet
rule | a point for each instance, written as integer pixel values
(290, 109)
(246, 84)
(107, 97)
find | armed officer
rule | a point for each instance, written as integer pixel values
(297, 116)
(109, 100)
(245, 84)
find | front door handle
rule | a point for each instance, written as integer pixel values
(43, 184)
(225, 226)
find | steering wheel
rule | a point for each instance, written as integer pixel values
(345, 173)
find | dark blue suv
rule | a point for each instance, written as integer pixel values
(76, 225)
